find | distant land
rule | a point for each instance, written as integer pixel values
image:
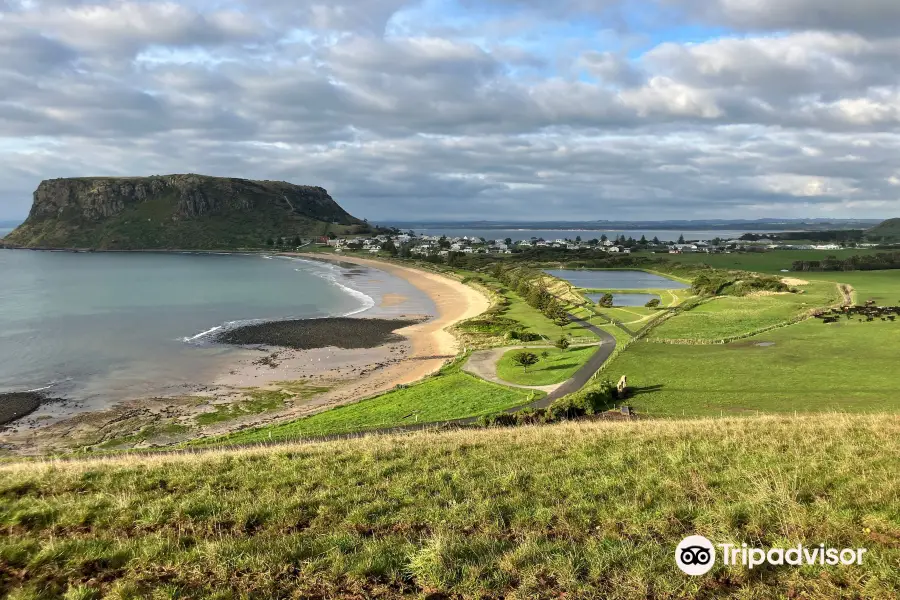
(177, 211)
(887, 231)
(686, 225)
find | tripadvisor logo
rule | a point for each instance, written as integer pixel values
(696, 555)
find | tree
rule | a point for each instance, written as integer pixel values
(546, 354)
(508, 241)
(270, 242)
(389, 246)
(681, 239)
(561, 320)
(656, 240)
(653, 303)
(643, 241)
(297, 241)
(562, 343)
(280, 242)
(603, 238)
(578, 238)
(526, 359)
(606, 300)
(331, 235)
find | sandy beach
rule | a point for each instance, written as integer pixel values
(362, 373)
(338, 375)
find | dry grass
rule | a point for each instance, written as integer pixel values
(587, 510)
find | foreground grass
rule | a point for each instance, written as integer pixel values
(810, 366)
(595, 511)
(449, 395)
(558, 366)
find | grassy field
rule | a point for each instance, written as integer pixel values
(595, 511)
(806, 367)
(732, 316)
(882, 286)
(763, 262)
(556, 368)
(449, 395)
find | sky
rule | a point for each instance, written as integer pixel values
(468, 109)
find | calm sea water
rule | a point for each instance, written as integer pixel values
(586, 234)
(108, 326)
(617, 280)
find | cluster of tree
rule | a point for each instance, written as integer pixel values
(718, 282)
(859, 262)
(838, 235)
(282, 242)
(529, 284)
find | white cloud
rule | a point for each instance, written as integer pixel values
(794, 112)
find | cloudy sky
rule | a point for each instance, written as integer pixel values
(464, 109)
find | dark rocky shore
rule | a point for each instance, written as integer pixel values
(14, 406)
(305, 334)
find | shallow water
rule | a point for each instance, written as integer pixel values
(101, 327)
(617, 280)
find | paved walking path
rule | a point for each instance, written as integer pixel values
(483, 364)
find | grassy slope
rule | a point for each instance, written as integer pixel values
(556, 368)
(450, 395)
(811, 367)
(733, 316)
(594, 511)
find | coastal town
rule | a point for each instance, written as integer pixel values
(410, 244)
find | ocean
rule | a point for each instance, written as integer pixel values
(101, 327)
(586, 234)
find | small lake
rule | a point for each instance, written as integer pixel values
(625, 299)
(616, 280)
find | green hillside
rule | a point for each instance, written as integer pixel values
(888, 231)
(177, 211)
(582, 510)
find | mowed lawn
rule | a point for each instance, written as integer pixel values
(807, 367)
(558, 366)
(451, 395)
(580, 511)
(731, 316)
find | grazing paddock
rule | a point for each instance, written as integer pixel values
(882, 286)
(732, 316)
(765, 262)
(807, 367)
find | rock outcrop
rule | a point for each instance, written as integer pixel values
(175, 211)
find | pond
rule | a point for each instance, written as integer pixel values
(626, 299)
(617, 280)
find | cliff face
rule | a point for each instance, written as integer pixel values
(183, 211)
